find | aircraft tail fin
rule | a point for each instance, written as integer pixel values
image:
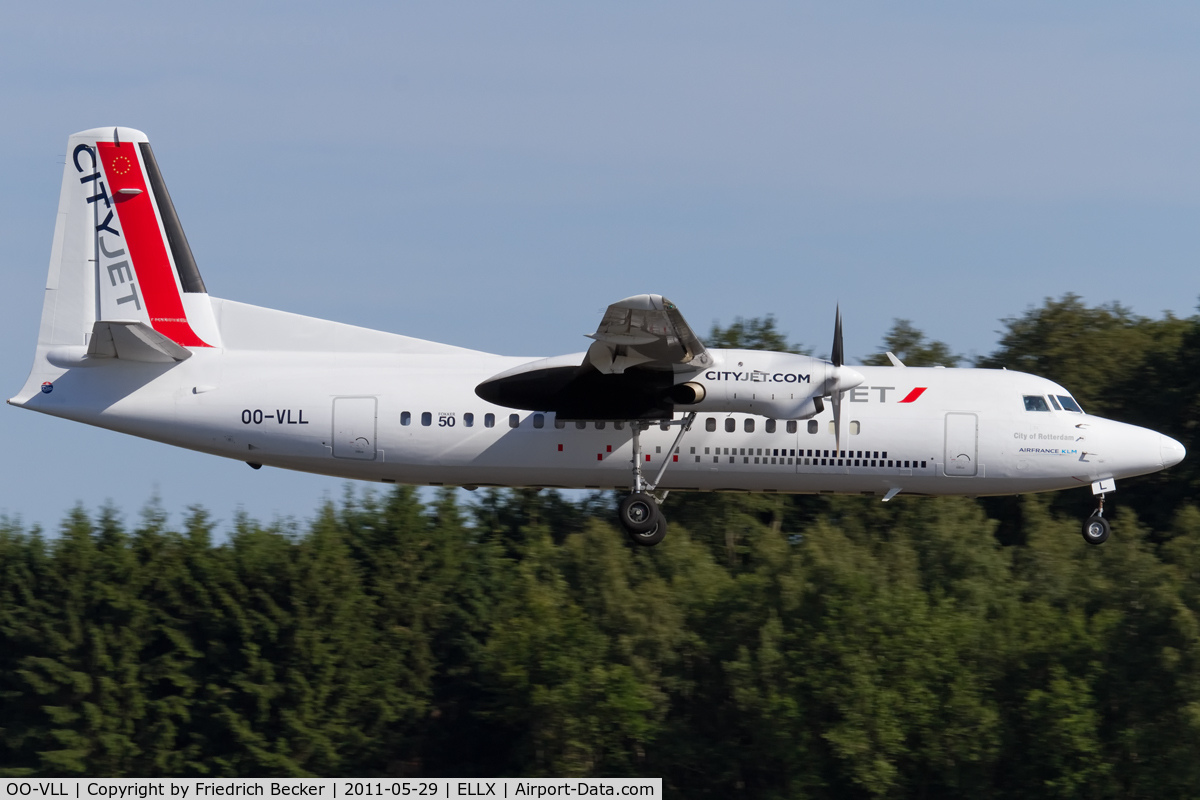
(119, 250)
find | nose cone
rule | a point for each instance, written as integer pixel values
(1171, 450)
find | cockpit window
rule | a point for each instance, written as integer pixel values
(1054, 403)
(1069, 403)
(1035, 402)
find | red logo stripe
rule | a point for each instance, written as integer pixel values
(144, 239)
(914, 394)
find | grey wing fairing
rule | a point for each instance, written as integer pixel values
(647, 331)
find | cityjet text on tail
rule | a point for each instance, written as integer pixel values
(131, 340)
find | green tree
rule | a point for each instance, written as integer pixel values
(554, 682)
(772, 647)
(1096, 353)
(909, 345)
(757, 333)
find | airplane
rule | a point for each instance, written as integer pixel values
(130, 340)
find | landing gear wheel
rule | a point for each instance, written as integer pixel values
(1095, 530)
(653, 536)
(638, 513)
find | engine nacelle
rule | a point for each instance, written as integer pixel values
(688, 394)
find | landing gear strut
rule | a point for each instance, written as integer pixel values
(639, 513)
(1095, 527)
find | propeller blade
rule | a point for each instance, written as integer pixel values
(837, 356)
(836, 400)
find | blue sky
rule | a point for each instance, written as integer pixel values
(493, 175)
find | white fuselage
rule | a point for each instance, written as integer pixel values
(131, 340)
(414, 418)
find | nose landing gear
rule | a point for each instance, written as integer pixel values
(1095, 527)
(639, 513)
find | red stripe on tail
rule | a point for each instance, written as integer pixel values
(147, 248)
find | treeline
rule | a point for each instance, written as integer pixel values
(772, 647)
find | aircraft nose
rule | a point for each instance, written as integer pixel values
(1171, 450)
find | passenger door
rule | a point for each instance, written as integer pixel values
(354, 428)
(962, 444)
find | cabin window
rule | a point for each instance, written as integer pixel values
(580, 425)
(791, 426)
(405, 418)
(1069, 404)
(619, 425)
(558, 423)
(749, 425)
(426, 418)
(489, 420)
(539, 420)
(730, 425)
(1035, 402)
(813, 426)
(710, 424)
(469, 419)
(599, 426)
(514, 420)
(770, 426)
(855, 427)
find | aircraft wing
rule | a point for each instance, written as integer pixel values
(647, 331)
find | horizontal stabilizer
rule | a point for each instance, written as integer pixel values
(133, 340)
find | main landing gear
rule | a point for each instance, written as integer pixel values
(1095, 527)
(639, 513)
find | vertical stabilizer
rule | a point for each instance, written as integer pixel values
(119, 250)
(120, 262)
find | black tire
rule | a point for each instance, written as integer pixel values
(653, 536)
(638, 513)
(1095, 530)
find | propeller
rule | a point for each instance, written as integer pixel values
(838, 356)
(840, 379)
